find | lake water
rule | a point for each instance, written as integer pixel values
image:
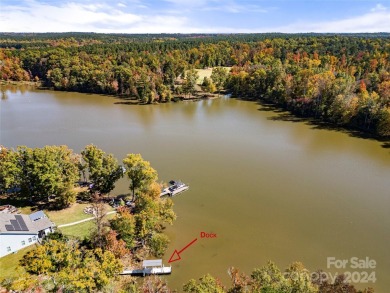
(270, 189)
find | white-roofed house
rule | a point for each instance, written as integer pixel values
(20, 231)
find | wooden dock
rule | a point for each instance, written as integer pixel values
(147, 272)
(149, 267)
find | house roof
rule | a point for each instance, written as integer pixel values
(152, 263)
(37, 215)
(23, 224)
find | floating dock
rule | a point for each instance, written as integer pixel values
(175, 187)
(149, 267)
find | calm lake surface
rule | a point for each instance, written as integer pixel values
(270, 189)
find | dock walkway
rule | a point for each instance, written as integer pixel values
(149, 267)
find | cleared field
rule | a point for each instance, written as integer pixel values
(206, 73)
(203, 73)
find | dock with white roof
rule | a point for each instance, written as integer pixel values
(149, 267)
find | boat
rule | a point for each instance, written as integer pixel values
(149, 267)
(174, 188)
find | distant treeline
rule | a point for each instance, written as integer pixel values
(342, 79)
(25, 40)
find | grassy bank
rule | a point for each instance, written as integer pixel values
(10, 263)
(81, 230)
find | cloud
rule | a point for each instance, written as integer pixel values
(39, 17)
(376, 20)
(236, 8)
(70, 16)
(378, 7)
(34, 16)
(175, 16)
(190, 3)
(229, 6)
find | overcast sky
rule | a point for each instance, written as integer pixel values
(194, 16)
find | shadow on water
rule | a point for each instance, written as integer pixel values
(284, 115)
(127, 103)
(386, 145)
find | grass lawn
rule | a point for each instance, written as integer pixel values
(9, 263)
(72, 214)
(81, 230)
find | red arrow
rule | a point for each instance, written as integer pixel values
(176, 254)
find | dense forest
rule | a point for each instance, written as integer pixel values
(340, 79)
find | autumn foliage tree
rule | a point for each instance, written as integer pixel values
(115, 245)
(71, 268)
(103, 169)
(44, 175)
(140, 173)
(219, 76)
(124, 225)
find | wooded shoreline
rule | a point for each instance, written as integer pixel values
(341, 79)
